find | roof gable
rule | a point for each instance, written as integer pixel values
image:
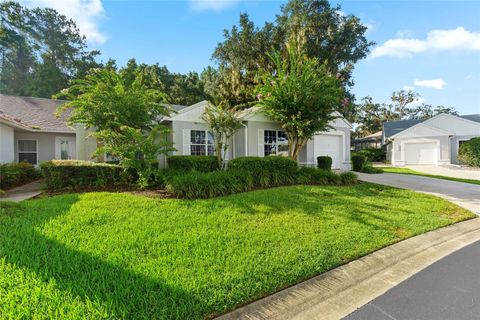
(421, 130)
(191, 113)
(457, 125)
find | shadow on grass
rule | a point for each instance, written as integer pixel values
(124, 294)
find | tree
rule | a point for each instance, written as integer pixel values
(223, 124)
(125, 113)
(301, 94)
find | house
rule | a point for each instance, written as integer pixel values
(29, 131)
(372, 141)
(258, 136)
(431, 141)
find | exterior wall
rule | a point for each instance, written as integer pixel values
(239, 138)
(7, 144)
(454, 145)
(86, 145)
(456, 125)
(346, 144)
(253, 135)
(398, 146)
(389, 152)
(45, 143)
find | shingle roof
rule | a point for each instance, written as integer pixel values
(393, 127)
(35, 114)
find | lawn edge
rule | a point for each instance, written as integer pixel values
(421, 174)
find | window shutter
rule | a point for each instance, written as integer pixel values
(261, 149)
(186, 142)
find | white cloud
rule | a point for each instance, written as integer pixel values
(408, 88)
(418, 102)
(86, 14)
(436, 40)
(370, 27)
(212, 5)
(438, 83)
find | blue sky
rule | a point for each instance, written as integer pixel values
(430, 46)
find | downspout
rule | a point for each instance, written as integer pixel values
(246, 139)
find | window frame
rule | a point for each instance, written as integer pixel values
(276, 143)
(36, 150)
(206, 144)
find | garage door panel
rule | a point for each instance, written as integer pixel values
(421, 153)
(329, 145)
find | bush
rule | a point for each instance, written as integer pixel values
(371, 169)
(358, 161)
(71, 174)
(469, 152)
(348, 178)
(194, 184)
(189, 163)
(267, 171)
(15, 174)
(308, 175)
(324, 162)
(372, 154)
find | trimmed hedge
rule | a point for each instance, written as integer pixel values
(70, 174)
(15, 174)
(372, 170)
(372, 154)
(189, 163)
(266, 171)
(324, 162)
(469, 152)
(358, 161)
(309, 175)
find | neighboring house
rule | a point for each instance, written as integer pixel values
(432, 141)
(29, 131)
(372, 141)
(258, 136)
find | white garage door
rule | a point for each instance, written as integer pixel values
(329, 145)
(421, 153)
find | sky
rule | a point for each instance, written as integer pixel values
(432, 47)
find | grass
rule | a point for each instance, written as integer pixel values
(112, 255)
(417, 173)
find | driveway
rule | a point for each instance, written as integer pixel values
(449, 171)
(24, 192)
(447, 289)
(463, 194)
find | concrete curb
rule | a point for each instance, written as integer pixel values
(337, 293)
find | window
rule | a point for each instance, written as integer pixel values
(201, 143)
(460, 142)
(27, 151)
(275, 143)
(64, 149)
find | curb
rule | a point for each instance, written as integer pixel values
(338, 292)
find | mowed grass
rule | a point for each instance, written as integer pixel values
(418, 173)
(121, 256)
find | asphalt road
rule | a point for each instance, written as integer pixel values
(446, 290)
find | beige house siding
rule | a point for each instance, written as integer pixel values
(45, 143)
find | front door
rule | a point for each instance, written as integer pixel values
(65, 148)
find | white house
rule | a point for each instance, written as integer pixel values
(432, 141)
(258, 136)
(29, 131)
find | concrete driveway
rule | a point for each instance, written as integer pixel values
(449, 171)
(463, 194)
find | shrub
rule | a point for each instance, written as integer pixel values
(469, 152)
(15, 174)
(267, 171)
(348, 178)
(194, 184)
(71, 174)
(358, 161)
(324, 162)
(189, 163)
(370, 169)
(372, 154)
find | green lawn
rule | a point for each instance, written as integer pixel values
(109, 256)
(410, 171)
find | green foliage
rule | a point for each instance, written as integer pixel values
(469, 152)
(15, 174)
(105, 255)
(348, 178)
(41, 51)
(301, 94)
(324, 162)
(358, 161)
(370, 169)
(223, 123)
(193, 163)
(72, 174)
(266, 171)
(316, 176)
(372, 154)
